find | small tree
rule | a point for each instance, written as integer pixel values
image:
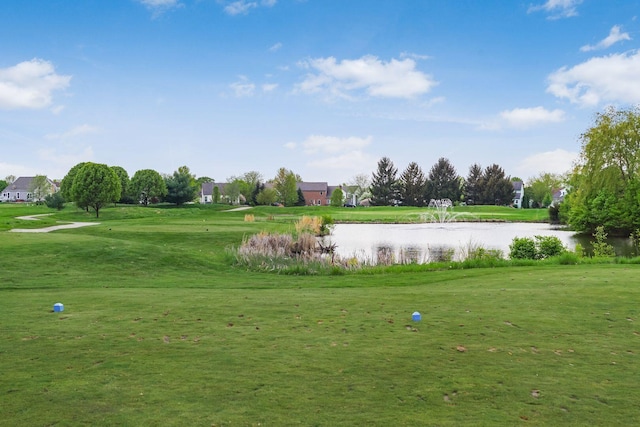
(94, 186)
(216, 194)
(337, 197)
(384, 184)
(181, 187)
(40, 187)
(146, 185)
(54, 201)
(600, 247)
(301, 199)
(267, 196)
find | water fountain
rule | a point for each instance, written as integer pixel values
(439, 212)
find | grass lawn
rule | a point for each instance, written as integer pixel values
(159, 329)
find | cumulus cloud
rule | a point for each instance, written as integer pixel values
(557, 161)
(529, 117)
(392, 79)
(557, 8)
(614, 37)
(71, 133)
(613, 78)
(30, 85)
(269, 87)
(240, 7)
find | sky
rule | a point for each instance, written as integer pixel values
(325, 88)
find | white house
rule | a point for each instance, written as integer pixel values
(518, 190)
(20, 190)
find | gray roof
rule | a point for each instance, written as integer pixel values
(313, 186)
(21, 184)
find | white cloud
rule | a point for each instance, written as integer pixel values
(350, 162)
(557, 8)
(290, 145)
(276, 47)
(243, 87)
(529, 117)
(269, 3)
(392, 79)
(614, 37)
(331, 144)
(557, 161)
(240, 7)
(269, 87)
(76, 131)
(613, 78)
(60, 163)
(160, 6)
(30, 84)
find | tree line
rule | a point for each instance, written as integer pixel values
(413, 188)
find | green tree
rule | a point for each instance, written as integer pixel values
(267, 196)
(472, 185)
(337, 197)
(496, 188)
(412, 185)
(54, 201)
(123, 176)
(540, 188)
(301, 199)
(384, 184)
(216, 194)
(147, 185)
(286, 185)
(360, 186)
(606, 179)
(40, 187)
(233, 191)
(10, 179)
(3, 184)
(67, 182)
(94, 186)
(443, 181)
(181, 187)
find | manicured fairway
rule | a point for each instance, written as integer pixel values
(159, 329)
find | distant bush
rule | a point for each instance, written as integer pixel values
(522, 248)
(54, 201)
(600, 247)
(540, 247)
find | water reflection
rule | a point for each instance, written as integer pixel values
(429, 242)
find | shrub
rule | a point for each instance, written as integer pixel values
(522, 248)
(600, 247)
(249, 218)
(548, 246)
(54, 201)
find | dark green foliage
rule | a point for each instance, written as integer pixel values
(412, 185)
(472, 185)
(443, 182)
(54, 201)
(301, 200)
(496, 187)
(384, 185)
(554, 214)
(548, 246)
(3, 184)
(181, 188)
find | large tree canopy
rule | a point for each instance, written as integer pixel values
(67, 182)
(147, 185)
(123, 176)
(496, 187)
(606, 180)
(472, 185)
(286, 185)
(94, 186)
(384, 184)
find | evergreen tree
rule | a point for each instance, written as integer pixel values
(384, 185)
(443, 181)
(472, 185)
(412, 185)
(301, 201)
(496, 188)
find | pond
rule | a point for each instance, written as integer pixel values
(425, 242)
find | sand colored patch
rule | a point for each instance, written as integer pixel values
(48, 229)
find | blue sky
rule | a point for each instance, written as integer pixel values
(322, 87)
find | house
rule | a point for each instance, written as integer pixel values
(558, 195)
(315, 193)
(21, 189)
(207, 193)
(518, 189)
